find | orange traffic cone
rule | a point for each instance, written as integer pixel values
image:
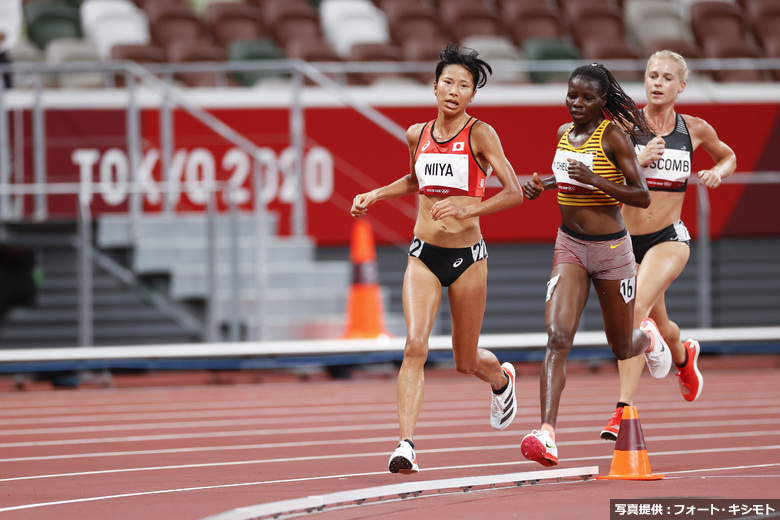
(365, 314)
(629, 460)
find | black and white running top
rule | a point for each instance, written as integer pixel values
(670, 172)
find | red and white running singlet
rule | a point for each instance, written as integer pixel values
(449, 167)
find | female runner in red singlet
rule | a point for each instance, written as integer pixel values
(450, 159)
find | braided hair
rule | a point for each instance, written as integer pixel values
(452, 54)
(619, 107)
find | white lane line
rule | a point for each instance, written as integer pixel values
(648, 425)
(368, 440)
(258, 408)
(522, 416)
(364, 455)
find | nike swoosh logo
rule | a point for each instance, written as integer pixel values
(613, 246)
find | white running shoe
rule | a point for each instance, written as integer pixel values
(403, 460)
(504, 407)
(539, 447)
(659, 360)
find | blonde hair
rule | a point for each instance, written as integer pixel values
(666, 54)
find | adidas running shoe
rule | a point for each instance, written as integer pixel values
(689, 377)
(611, 430)
(504, 406)
(539, 447)
(659, 359)
(403, 460)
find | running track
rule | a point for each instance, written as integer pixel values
(187, 451)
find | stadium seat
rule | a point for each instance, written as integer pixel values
(533, 21)
(686, 48)
(731, 50)
(146, 5)
(771, 48)
(26, 52)
(600, 50)
(375, 52)
(47, 21)
(92, 10)
(716, 22)
(410, 19)
(255, 50)
(289, 20)
(113, 22)
(349, 22)
(571, 7)
(227, 22)
(550, 50)
(141, 54)
(314, 50)
(463, 19)
(595, 22)
(185, 51)
(508, 6)
(650, 20)
(64, 50)
(764, 18)
(424, 48)
(499, 48)
(171, 22)
(201, 6)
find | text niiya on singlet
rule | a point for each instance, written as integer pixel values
(591, 153)
(671, 171)
(448, 167)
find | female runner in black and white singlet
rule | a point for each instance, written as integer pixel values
(660, 239)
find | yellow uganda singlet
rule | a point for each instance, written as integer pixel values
(591, 153)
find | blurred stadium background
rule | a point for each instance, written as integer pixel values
(177, 174)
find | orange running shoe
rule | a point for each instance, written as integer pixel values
(691, 381)
(611, 430)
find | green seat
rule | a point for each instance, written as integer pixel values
(248, 50)
(547, 50)
(47, 21)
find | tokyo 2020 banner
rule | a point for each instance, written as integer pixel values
(345, 153)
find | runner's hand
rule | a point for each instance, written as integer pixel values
(533, 188)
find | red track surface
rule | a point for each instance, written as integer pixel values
(186, 451)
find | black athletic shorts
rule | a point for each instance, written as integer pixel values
(447, 263)
(677, 232)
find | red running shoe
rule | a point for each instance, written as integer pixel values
(611, 430)
(539, 447)
(691, 381)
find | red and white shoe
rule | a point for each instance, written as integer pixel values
(403, 460)
(611, 430)
(689, 377)
(539, 447)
